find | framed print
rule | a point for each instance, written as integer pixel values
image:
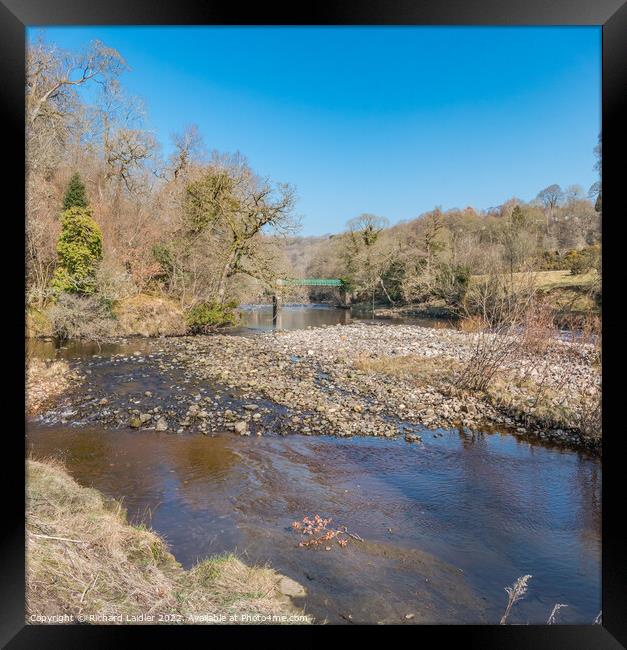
(314, 322)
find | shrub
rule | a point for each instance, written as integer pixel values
(206, 316)
(552, 261)
(79, 250)
(37, 323)
(502, 312)
(581, 261)
(80, 317)
(393, 278)
(113, 282)
(451, 283)
(163, 257)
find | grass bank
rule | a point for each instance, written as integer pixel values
(147, 315)
(570, 295)
(85, 562)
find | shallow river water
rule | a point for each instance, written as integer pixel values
(293, 317)
(447, 524)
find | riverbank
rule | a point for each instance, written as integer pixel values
(358, 379)
(86, 563)
(141, 314)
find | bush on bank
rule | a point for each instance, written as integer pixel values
(37, 323)
(206, 316)
(73, 316)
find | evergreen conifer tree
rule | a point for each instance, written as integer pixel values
(75, 195)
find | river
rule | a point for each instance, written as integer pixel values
(297, 316)
(447, 524)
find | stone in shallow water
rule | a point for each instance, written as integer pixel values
(161, 425)
(240, 427)
(291, 588)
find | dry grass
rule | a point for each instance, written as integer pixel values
(84, 559)
(472, 324)
(547, 280)
(515, 593)
(46, 380)
(146, 315)
(435, 370)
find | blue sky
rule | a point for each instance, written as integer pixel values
(388, 120)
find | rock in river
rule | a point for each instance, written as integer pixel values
(241, 427)
(291, 588)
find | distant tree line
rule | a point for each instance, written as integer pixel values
(434, 255)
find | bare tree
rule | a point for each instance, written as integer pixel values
(231, 205)
(364, 255)
(53, 78)
(550, 198)
(188, 149)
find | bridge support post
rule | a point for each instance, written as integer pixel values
(275, 309)
(345, 297)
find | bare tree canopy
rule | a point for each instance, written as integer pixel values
(551, 196)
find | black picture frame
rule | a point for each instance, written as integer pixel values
(15, 15)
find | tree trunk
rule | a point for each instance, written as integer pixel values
(385, 291)
(226, 269)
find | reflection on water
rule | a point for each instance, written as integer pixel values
(48, 348)
(447, 524)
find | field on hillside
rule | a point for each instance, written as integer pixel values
(569, 293)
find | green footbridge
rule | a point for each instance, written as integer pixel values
(306, 282)
(310, 282)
